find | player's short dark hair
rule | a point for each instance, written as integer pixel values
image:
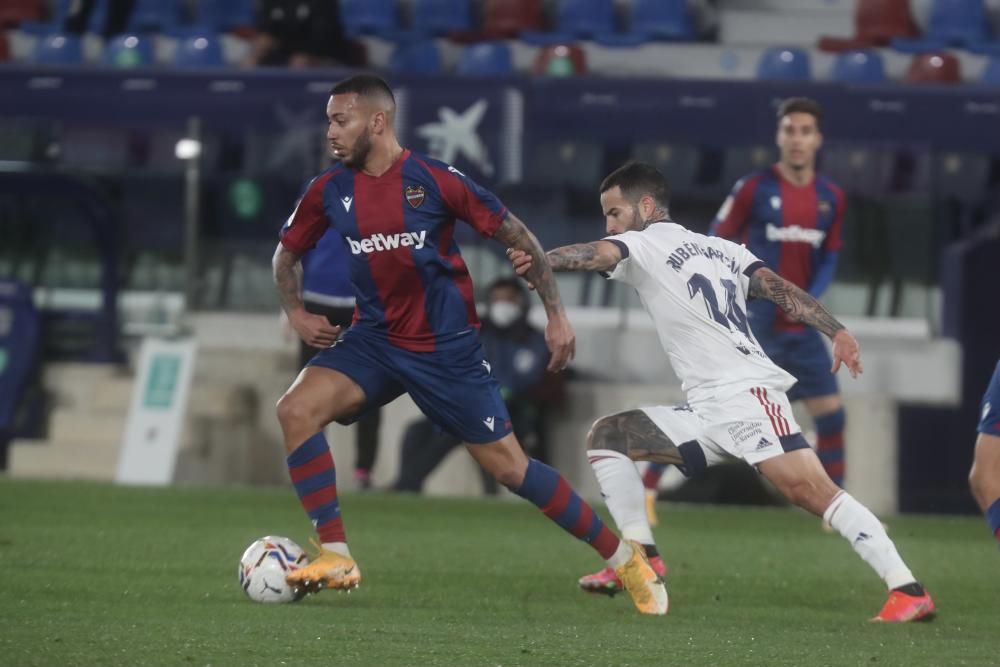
(637, 179)
(801, 105)
(366, 85)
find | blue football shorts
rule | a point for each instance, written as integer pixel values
(453, 385)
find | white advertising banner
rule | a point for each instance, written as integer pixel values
(156, 414)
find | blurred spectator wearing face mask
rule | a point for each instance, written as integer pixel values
(517, 355)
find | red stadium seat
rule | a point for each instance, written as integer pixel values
(4, 47)
(560, 60)
(509, 18)
(934, 68)
(13, 12)
(876, 23)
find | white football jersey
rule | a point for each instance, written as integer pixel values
(695, 289)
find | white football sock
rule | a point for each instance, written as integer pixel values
(867, 536)
(623, 493)
(338, 547)
(621, 555)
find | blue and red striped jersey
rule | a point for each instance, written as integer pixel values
(795, 230)
(410, 281)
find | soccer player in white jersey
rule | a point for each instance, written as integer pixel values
(695, 289)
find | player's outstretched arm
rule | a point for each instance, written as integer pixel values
(315, 330)
(559, 334)
(595, 256)
(801, 307)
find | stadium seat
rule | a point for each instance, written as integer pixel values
(224, 15)
(934, 68)
(4, 47)
(441, 17)
(154, 16)
(416, 57)
(13, 12)
(858, 67)
(951, 23)
(876, 23)
(58, 49)
(129, 50)
(509, 18)
(784, 64)
(663, 19)
(199, 51)
(560, 60)
(486, 59)
(57, 18)
(991, 73)
(369, 17)
(585, 18)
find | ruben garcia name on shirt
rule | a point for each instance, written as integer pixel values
(687, 250)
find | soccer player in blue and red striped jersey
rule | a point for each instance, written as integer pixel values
(984, 479)
(415, 330)
(791, 217)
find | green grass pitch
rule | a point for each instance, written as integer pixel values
(101, 575)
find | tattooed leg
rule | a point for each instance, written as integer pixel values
(614, 444)
(634, 434)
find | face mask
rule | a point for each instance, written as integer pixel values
(504, 313)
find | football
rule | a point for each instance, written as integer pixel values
(263, 568)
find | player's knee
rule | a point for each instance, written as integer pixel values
(292, 411)
(605, 434)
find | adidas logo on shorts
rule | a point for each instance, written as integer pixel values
(763, 444)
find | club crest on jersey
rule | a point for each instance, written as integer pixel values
(415, 195)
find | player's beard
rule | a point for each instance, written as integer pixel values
(359, 154)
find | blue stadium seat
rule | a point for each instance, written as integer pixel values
(663, 19)
(959, 21)
(199, 51)
(224, 15)
(784, 64)
(951, 23)
(858, 67)
(991, 74)
(486, 59)
(417, 57)
(59, 10)
(585, 18)
(129, 51)
(369, 17)
(440, 17)
(155, 16)
(58, 49)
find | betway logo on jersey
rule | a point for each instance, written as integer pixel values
(380, 242)
(813, 237)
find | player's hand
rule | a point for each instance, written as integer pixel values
(561, 340)
(522, 263)
(315, 330)
(846, 350)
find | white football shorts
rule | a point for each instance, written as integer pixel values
(753, 425)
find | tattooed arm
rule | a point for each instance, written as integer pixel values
(315, 330)
(596, 256)
(801, 307)
(558, 333)
(635, 435)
